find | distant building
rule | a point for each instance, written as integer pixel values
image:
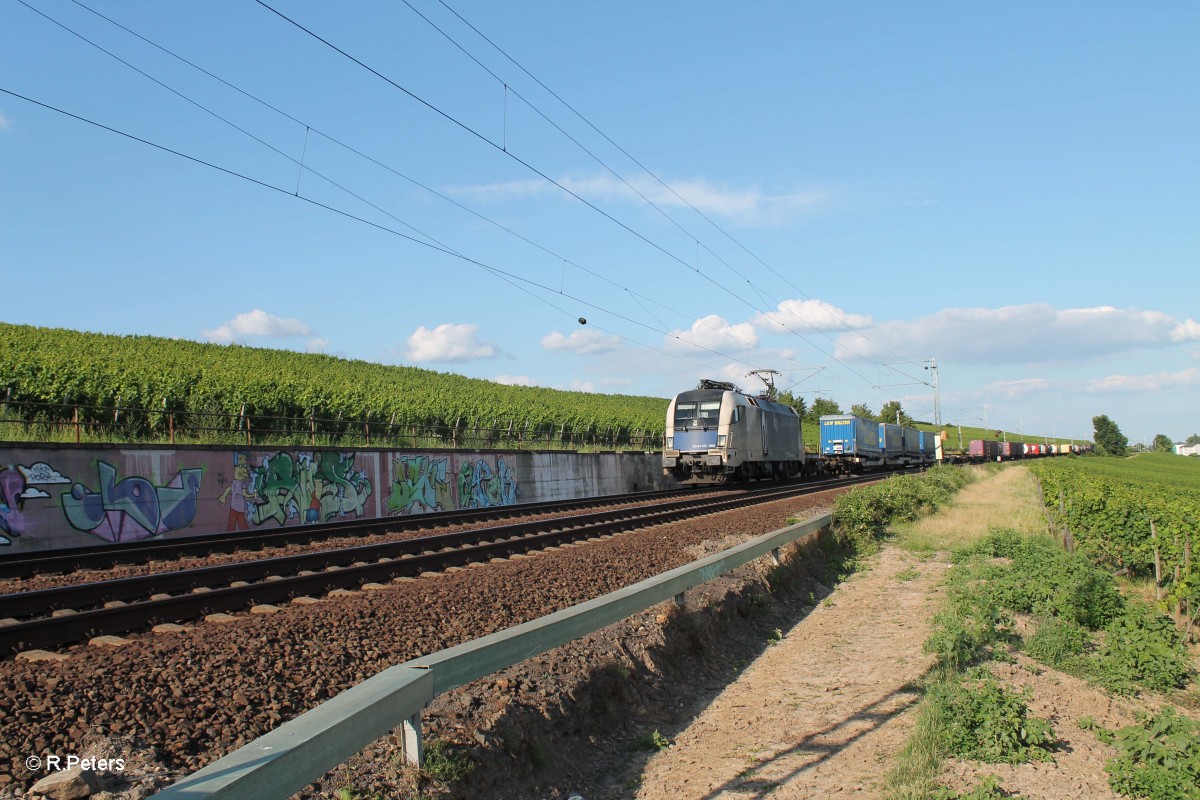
(1182, 449)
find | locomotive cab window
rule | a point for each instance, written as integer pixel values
(710, 412)
(685, 414)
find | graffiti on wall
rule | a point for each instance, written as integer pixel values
(482, 486)
(425, 483)
(132, 508)
(294, 489)
(420, 484)
(19, 485)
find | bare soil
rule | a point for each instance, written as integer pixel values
(821, 713)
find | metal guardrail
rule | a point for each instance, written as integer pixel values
(284, 761)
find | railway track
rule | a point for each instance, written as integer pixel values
(129, 604)
(105, 556)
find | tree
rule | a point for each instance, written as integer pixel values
(1193, 439)
(891, 409)
(862, 410)
(1108, 437)
(1163, 444)
(822, 406)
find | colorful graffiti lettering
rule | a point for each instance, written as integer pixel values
(16, 487)
(12, 489)
(480, 486)
(132, 508)
(300, 488)
(420, 484)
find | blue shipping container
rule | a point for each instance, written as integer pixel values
(891, 439)
(846, 434)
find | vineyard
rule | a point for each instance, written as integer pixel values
(68, 385)
(1140, 514)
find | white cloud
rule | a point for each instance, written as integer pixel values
(256, 323)
(1033, 333)
(713, 332)
(1186, 331)
(801, 316)
(32, 493)
(582, 386)
(584, 342)
(5, 122)
(317, 345)
(1018, 389)
(449, 342)
(1154, 382)
(748, 206)
(514, 380)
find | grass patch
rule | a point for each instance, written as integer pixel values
(1008, 498)
(447, 763)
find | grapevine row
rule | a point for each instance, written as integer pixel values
(71, 369)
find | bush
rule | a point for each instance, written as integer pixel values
(1044, 579)
(999, 543)
(969, 623)
(1159, 759)
(1142, 646)
(865, 512)
(986, 722)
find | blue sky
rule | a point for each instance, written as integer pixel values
(1011, 189)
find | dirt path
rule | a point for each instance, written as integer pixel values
(822, 713)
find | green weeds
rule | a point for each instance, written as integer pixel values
(987, 722)
(1159, 758)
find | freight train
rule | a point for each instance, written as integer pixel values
(718, 434)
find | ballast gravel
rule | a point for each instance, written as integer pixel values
(196, 694)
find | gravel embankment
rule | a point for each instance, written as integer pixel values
(199, 694)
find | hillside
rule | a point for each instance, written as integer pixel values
(71, 368)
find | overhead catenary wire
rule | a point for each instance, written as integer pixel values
(310, 129)
(503, 274)
(302, 167)
(843, 322)
(696, 267)
(480, 136)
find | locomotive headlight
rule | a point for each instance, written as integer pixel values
(670, 442)
(721, 440)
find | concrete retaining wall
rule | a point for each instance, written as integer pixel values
(54, 496)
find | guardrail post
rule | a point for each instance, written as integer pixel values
(410, 742)
(775, 557)
(679, 600)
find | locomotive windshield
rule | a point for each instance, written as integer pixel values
(685, 414)
(704, 414)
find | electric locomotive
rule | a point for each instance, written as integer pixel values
(718, 433)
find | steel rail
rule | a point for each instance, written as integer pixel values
(66, 560)
(367, 563)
